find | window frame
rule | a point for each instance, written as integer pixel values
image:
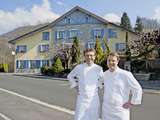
(46, 36)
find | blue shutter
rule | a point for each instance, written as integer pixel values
(39, 48)
(17, 49)
(42, 63)
(55, 35)
(68, 20)
(92, 34)
(37, 63)
(86, 19)
(47, 62)
(25, 48)
(48, 35)
(106, 31)
(102, 33)
(117, 47)
(27, 64)
(17, 66)
(86, 45)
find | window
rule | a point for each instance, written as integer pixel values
(91, 45)
(21, 49)
(22, 64)
(66, 34)
(73, 33)
(67, 45)
(97, 33)
(86, 19)
(34, 64)
(60, 34)
(112, 33)
(45, 62)
(68, 20)
(43, 48)
(45, 36)
(120, 47)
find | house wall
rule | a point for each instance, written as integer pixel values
(6, 56)
(32, 43)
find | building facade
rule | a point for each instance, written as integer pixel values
(6, 55)
(37, 48)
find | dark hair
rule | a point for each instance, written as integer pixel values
(89, 50)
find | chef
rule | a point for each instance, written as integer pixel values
(86, 78)
(121, 91)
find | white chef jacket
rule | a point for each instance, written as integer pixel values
(87, 105)
(117, 87)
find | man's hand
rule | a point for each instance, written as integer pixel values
(127, 105)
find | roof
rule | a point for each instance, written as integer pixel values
(23, 31)
(89, 13)
(49, 25)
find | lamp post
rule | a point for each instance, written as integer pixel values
(13, 60)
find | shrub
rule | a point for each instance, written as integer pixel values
(3, 67)
(57, 66)
(44, 70)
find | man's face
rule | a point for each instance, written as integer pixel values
(112, 63)
(89, 57)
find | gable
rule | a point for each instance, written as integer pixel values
(78, 17)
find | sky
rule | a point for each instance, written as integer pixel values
(17, 13)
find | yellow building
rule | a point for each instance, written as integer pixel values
(37, 48)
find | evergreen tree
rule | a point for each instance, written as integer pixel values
(105, 55)
(125, 21)
(99, 51)
(75, 51)
(108, 50)
(138, 26)
(128, 51)
(57, 66)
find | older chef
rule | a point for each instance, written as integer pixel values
(121, 91)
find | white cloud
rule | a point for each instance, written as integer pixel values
(156, 14)
(20, 16)
(111, 17)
